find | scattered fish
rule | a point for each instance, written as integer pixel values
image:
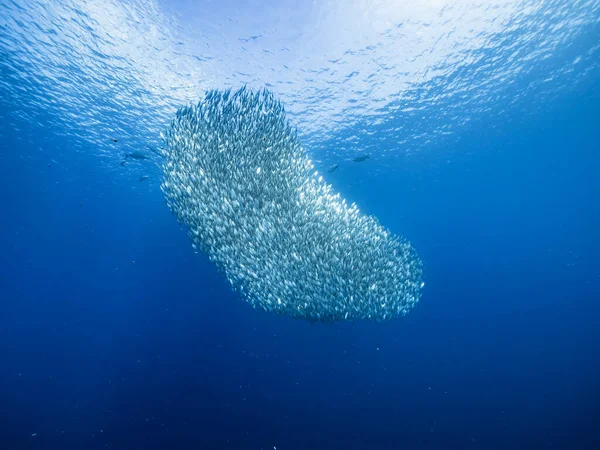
(361, 158)
(285, 241)
(333, 168)
(144, 177)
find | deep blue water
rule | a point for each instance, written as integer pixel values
(114, 334)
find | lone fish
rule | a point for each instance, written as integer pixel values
(137, 155)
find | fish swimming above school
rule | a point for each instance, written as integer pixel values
(236, 175)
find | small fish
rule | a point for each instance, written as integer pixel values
(114, 140)
(238, 179)
(144, 177)
(135, 155)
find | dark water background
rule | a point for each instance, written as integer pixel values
(114, 334)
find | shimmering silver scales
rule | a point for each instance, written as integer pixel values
(236, 176)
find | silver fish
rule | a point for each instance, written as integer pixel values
(137, 155)
(236, 175)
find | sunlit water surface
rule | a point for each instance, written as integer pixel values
(379, 77)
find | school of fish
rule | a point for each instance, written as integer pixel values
(237, 177)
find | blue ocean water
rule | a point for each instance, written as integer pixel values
(482, 125)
